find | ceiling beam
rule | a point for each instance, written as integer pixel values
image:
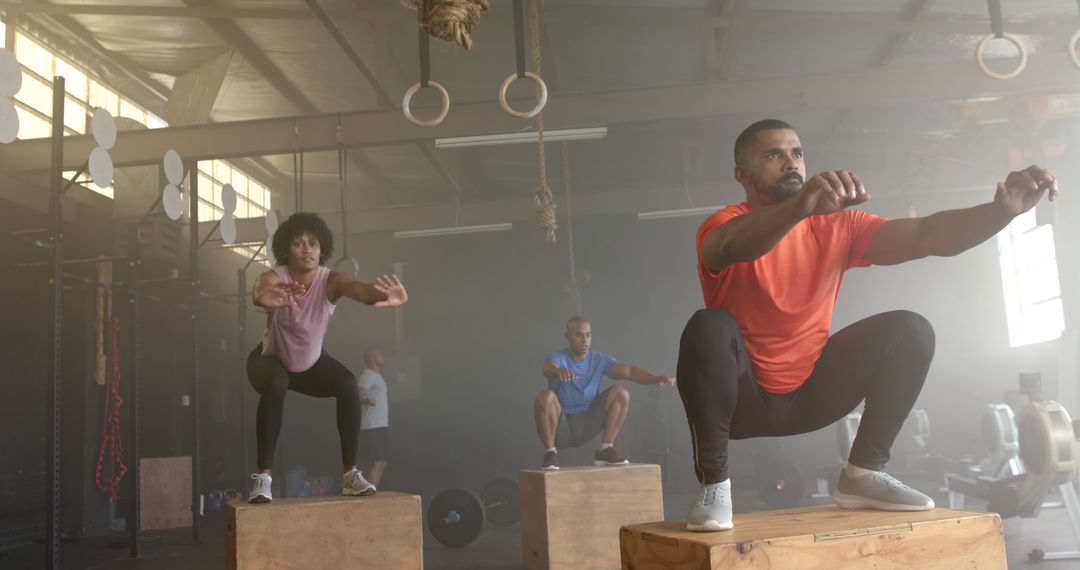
(339, 38)
(646, 16)
(916, 9)
(383, 97)
(387, 69)
(521, 209)
(718, 40)
(878, 88)
(642, 15)
(233, 36)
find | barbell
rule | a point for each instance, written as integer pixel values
(456, 516)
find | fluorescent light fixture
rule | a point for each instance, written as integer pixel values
(453, 230)
(557, 135)
(660, 214)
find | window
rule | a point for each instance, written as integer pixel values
(83, 95)
(75, 115)
(35, 95)
(252, 198)
(249, 250)
(33, 56)
(31, 125)
(1029, 277)
(75, 81)
(131, 111)
(101, 96)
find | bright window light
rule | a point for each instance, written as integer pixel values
(84, 93)
(1029, 278)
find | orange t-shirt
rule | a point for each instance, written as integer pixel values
(783, 301)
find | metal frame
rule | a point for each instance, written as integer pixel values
(59, 144)
(52, 525)
(241, 340)
(1072, 507)
(58, 185)
(193, 276)
(134, 521)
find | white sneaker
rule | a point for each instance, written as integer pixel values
(260, 488)
(353, 484)
(712, 510)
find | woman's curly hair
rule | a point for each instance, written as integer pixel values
(297, 225)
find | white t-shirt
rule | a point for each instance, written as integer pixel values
(378, 415)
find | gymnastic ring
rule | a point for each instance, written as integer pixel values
(430, 122)
(355, 264)
(995, 74)
(1075, 57)
(541, 101)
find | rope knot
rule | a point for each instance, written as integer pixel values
(451, 20)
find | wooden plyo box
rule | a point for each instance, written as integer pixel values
(823, 537)
(164, 492)
(382, 531)
(570, 518)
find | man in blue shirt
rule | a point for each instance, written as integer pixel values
(572, 410)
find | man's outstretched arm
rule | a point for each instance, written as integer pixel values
(638, 375)
(954, 231)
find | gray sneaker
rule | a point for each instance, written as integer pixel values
(260, 488)
(712, 511)
(353, 484)
(878, 490)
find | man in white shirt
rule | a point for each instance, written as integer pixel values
(375, 416)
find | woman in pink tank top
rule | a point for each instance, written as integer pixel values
(299, 296)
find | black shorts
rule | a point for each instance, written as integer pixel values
(374, 444)
(576, 430)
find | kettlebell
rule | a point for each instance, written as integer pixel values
(217, 501)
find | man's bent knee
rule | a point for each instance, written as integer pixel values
(915, 326)
(547, 400)
(620, 395)
(711, 323)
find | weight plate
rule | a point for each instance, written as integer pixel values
(455, 518)
(781, 485)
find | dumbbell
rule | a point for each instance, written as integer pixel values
(456, 516)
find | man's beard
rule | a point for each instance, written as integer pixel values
(783, 189)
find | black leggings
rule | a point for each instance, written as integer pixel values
(327, 378)
(882, 359)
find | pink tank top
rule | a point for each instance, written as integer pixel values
(295, 334)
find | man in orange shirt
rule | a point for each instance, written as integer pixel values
(759, 361)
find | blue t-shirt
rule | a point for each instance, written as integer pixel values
(576, 395)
